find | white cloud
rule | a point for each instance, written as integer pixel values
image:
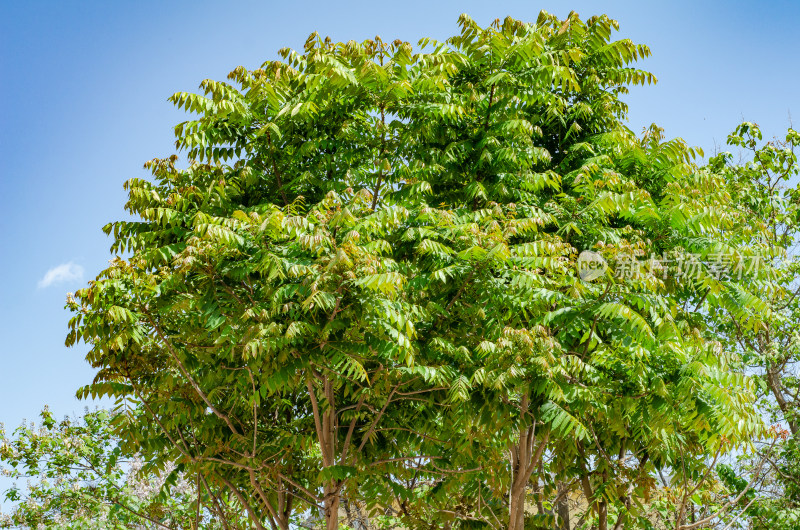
(66, 272)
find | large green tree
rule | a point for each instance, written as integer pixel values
(363, 294)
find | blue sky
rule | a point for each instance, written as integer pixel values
(83, 88)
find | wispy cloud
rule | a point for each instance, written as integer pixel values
(66, 272)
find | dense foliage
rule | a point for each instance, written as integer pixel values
(363, 301)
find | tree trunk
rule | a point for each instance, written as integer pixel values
(332, 506)
(562, 509)
(602, 515)
(525, 457)
(520, 457)
(325, 423)
(332, 489)
(284, 507)
(516, 519)
(602, 507)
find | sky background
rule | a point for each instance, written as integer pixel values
(83, 90)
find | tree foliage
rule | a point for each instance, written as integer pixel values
(78, 477)
(764, 184)
(363, 295)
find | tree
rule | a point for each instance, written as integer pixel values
(763, 184)
(364, 291)
(78, 477)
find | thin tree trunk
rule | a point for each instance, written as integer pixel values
(325, 423)
(562, 509)
(602, 508)
(525, 457)
(520, 456)
(591, 503)
(332, 489)
(602, 517)
(284, 508)
(516, 516)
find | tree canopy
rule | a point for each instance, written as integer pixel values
(363, 298)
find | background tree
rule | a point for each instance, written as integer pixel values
(764, 184)
(78, 477)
